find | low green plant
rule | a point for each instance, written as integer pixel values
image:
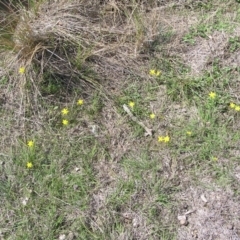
(234, 44)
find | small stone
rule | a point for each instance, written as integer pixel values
(183, 220)
(77, 169)
(62, 237)
(204, 198)
(25, 201)
(136, 223)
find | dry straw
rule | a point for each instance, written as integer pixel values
(65, 37)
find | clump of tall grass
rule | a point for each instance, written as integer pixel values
(64, 37)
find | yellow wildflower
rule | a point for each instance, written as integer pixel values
(152, 115)
(64, 111)
(189, 133)
(21, 70)
(237, 108)
(154, 72)
(29, 165)
(30, 144)
(65, 122)
(214, 158)
(212, 95)
(166, 139)
(232, 105)
(131, 104)
(161, 139)
(80, 102)
(157, 73)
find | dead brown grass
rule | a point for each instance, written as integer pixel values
(55, 34)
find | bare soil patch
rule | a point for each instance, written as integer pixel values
(218, 218)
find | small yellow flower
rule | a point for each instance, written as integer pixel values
(214, 158)
(232, 105)
(64, 111)
(166, 139)
(80, 102)
(212, 95)
(157, 73)
(154, 72)
(65, 122)
(29, 165)
(237, 108)
(131, 104)
(161, 139)
(21, 70)
(152, 115)
(189, 133)
(30, 144)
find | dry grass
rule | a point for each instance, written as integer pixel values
(53, 35)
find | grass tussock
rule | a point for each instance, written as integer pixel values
(69, 37)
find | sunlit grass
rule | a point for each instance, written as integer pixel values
(76, 165)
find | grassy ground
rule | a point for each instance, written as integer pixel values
(75, 164)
